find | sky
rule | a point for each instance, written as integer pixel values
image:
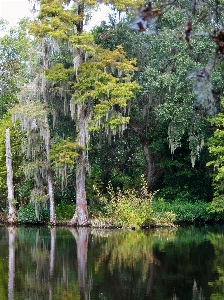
(14, 10)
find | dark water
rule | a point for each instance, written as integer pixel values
(59, 264)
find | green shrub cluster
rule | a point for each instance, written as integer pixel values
(27, 213)
(64, 211)
(127, 208)
(185, 211)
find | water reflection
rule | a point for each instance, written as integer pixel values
(52, 258)
(81, 236)
(12, 235)
(78, 263)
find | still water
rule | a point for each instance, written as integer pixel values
(69, 264)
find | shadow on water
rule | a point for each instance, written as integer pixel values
(83, 263)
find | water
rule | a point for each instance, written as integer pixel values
(62, 263)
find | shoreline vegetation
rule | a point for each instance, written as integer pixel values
(160, 214)
(130, 208)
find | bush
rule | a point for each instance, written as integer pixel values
(27, 213)
(162, 213)
(184, 211)
(126, 208)
(64, 211)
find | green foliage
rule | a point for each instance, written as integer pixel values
(121, 161)
(64, 153)
(64, 211)
(127, 208)
(58, 73)
(216, 209)
(27, 213)
(217, 205)
(216, 149)
(54, 20)
(190, 212)
(15, 57)
(17, 157)
(185, 211)
(167, 97)
(106, 80)
(182, 182)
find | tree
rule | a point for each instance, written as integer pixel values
(19, 182)
(16, 57)
(171, 96)
(97, 102)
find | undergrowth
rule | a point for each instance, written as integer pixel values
(127, 208)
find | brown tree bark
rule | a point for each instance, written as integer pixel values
(81, 213)
(153, 173)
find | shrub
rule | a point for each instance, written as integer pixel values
(27, 213)
(184, 211)
(64, 211)
(128, 207)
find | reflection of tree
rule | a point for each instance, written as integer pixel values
(129, 257)
(217, 285)
(46, 260)
(197, 293)
(153, 264)
(131, 247)
(12, 235)
(81, 237)
(184, 262)
(52, 260)
(37, 276)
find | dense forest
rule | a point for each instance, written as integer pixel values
(119, 126)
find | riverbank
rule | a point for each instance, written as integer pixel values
(157, 213)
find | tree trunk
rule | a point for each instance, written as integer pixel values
(153, 173)
(12, 208)
(81, 214)
(47, 139)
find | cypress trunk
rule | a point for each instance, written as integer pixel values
(12, 208)
(81, 214)
(47, 139)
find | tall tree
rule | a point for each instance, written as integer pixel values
(102, 82)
